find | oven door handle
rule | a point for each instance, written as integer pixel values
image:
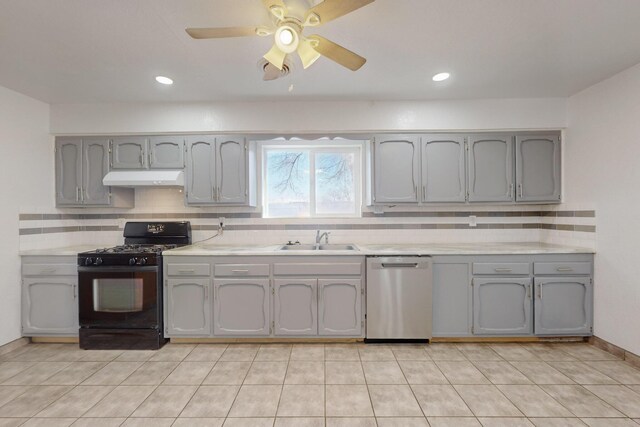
(119, 269)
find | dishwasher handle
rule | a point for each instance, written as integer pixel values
(399, 265)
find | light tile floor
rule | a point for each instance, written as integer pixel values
(313, 385)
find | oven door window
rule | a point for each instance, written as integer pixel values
(119, 298)
(118, 295)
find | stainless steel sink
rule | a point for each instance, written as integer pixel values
(299, 247)
(331, 247)
(326, 247)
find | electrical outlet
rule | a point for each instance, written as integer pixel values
(473, 221)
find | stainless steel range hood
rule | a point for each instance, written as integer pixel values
(146, 178)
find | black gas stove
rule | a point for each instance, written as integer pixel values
(120, 288)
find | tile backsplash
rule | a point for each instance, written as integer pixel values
(561, 224)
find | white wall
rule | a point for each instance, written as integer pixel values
(26, 174)
(309, 117)
(602, 167)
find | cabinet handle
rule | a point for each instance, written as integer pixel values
(82, 191)
(186, 271)
(529, 291)
(150, 157)
(539, 291)
(218, 193)
(77, 194)
(213, 193)
(75, 291)
(141, 158)
(415, 190)
(48, 270)
(511, 190)
(502, 270)
(520, 191)
(564, 269)
(239, 271)
(424, 192)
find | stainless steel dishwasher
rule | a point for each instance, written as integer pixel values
(399, 299)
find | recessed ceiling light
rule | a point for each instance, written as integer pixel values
(164, 80)
(441, 77)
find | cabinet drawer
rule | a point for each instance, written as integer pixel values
(315, 269)
(502, 268)
(562, 268)
(241, 269)
(189, 269)
(49, 270)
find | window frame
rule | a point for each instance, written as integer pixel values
(315, 147)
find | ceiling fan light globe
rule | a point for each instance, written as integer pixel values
(287, 39)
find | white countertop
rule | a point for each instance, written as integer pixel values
(409, 249)
(64, 251)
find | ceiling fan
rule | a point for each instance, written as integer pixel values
(289, 26)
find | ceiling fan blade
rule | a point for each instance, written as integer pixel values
(329, 10)
(307, 53)
(219, 33)
(276, 7)
(336, 53)
(275, 56)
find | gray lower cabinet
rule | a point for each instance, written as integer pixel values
(538, 168)
(452, 297)
(188, 307)
(81, 164)
(443, 168)
(241, 307)
(295, 306)
(396, 168)
(502, 306)
(49, 296)
(563, 305)
(490, 168)
(339, 307)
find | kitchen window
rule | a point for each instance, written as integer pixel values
(302, 181)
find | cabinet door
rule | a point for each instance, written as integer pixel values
(538, 168)
(396, 169)
(490, 168)
(68, 171)
(49, 306)
(129, 152)
(451, 299)
(188, 307)
(443, 170)
(340, 307)
(241, 307)
(231, 179)
(502, 306)
(95, 165)
(166, 152)
(295, 304)
(563, 305)
(201, 154)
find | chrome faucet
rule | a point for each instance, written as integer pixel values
(320, 236)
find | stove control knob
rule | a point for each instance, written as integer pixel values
(98, 261)
(88, 261)
(142, 261)
(132, 261)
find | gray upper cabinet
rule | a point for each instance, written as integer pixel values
(241, 307)
(502, 306)
(339, 307)
(129, 152)
(490, 168)
(396, 169)
(217, 171)
(49, 306)
(95, 165)
(443, 168)
(231, 170)
(68, 171)
(188, 307)
(538, 168)
(81, 164)
(166, 152)
(295, 307)
(563, 305)
(201, 179)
